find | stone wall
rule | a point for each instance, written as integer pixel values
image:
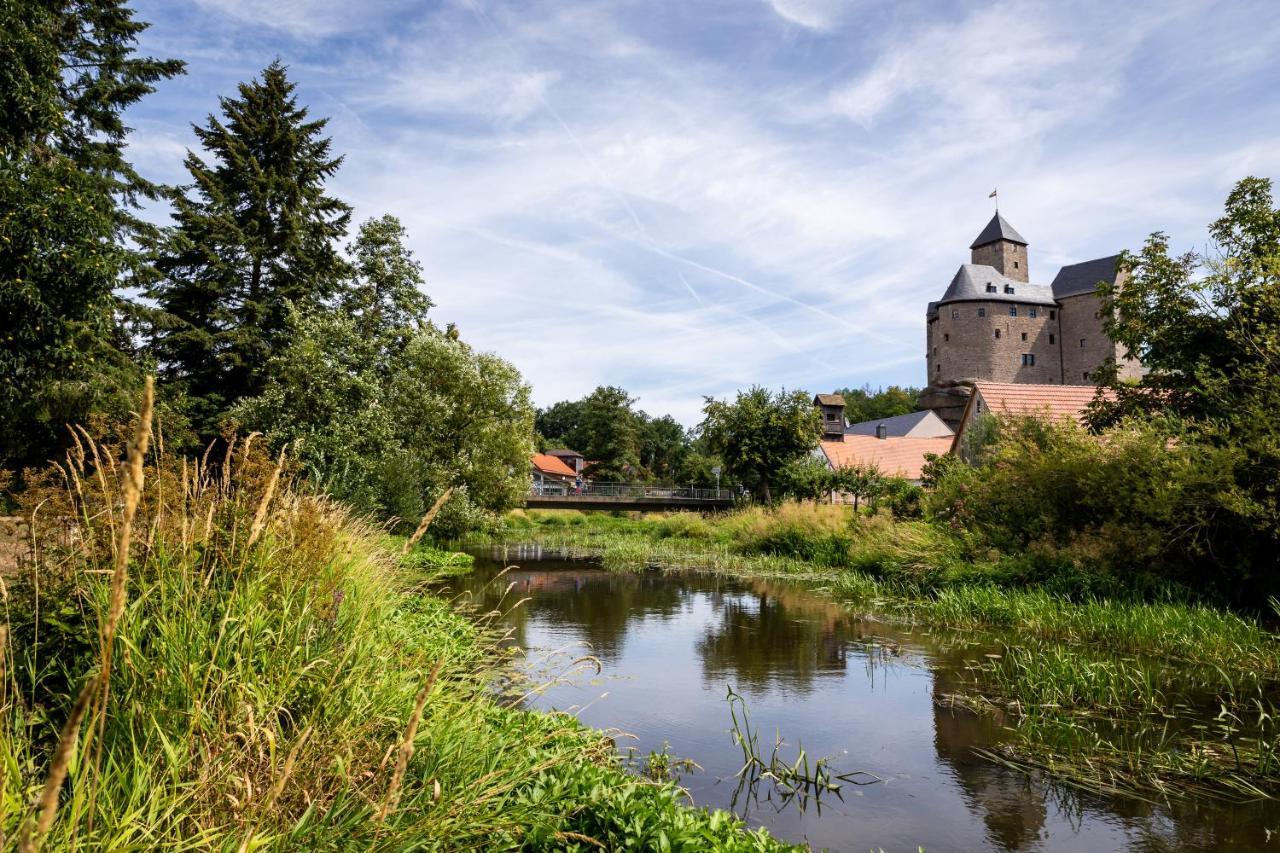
(1009, 258)
(963, 346)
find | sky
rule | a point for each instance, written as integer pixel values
(688, 198)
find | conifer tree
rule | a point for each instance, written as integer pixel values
(68, 231)
(255, 237)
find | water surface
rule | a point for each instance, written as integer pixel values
(862, 693)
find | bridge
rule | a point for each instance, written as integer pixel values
(628, 496)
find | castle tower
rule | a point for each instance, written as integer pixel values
(1001, 246)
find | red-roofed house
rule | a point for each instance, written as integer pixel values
(894, 456)
(1003, 398)
(551, 474)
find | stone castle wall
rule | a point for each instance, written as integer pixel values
(963, 345)
(1009, 258)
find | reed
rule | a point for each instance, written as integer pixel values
(216, 662)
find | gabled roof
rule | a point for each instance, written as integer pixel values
(1056, 401)
(565, 452)
(970, 284)
(548, 464)
(998, 229)
(828, 400)
(1075, 279)
(924, 424)
(895, 457)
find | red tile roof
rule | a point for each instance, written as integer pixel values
(896, 456)
(1057, 401)
(549, 464)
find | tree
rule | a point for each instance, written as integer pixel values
(461, 419)
(68, 232)
(1207, 329)
(561, 425)
(863, 404)
(664, 444)
(610, 433)
(760, 433)
(385, 298)
(255, 236)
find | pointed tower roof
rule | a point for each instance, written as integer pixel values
(998, 229)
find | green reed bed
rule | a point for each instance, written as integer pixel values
(205, 657)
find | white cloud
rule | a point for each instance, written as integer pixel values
(813, 14)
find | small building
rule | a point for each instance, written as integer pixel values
(892, 456)
(551, 475)
(1056, 402)
(572, 458)
(924, 424)
(831, 408)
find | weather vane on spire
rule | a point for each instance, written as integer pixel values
(996, 195)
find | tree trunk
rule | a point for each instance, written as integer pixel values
(764, 487)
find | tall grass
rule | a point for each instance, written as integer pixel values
(277, 679)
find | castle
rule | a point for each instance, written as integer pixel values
(992, 324)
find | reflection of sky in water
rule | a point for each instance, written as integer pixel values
(671, 644)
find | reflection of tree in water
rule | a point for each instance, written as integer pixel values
(759, 641)
(1015, 806)
(595, 605)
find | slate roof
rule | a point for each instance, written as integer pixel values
(1075, 279)
(924, 424)
(970, 284)
(998, 229)
(548, 464)
(828, 400)
(565, 453)
(895, 457)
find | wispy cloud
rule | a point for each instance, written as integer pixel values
(687, 198)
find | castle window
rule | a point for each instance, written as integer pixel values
(1082, 344)
(1028, 359)
(991, 288)
(955, 313)
(1033, 313)
(1024, 336)
(946, 337)
(997, 334)
(1008, 288)
(1051, 339)
(982, 312)
(1015, 265)
(937, 368)
(1084, 375)
(1053, 315)
(1013, 310)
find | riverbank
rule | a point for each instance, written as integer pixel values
(266, 671)
(1152, 697)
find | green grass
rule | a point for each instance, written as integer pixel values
(283, 681)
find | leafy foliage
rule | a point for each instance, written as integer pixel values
(255, 237)
(761, 433)
(68, 232)
(864, 404)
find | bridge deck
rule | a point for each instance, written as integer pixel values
(630, 496)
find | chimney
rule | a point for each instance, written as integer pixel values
(882, 431)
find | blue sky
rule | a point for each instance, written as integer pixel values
(686, 198)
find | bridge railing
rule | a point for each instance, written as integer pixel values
(631, 490)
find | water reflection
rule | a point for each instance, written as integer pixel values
(864, 693)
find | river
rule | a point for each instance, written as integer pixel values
(865, 695)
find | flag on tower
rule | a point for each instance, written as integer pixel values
(993, 194)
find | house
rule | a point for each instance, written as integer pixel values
(924, 424)
(551, 475)
(572, 458)
(1011, 398)
(894, 456)
(897, 445)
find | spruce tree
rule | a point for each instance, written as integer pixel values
(255, 236)
(68, 231)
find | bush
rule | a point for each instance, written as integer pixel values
(818, 533)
